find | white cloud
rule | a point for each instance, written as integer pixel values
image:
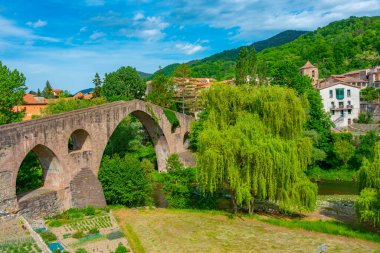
(95, 2)
(138, 16)
(83, 29)
(147, 28)
(97, 35)
(11, 30)
(250, 17)
(39, 23)
(189, 48)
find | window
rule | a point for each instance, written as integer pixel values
(313, 73)
(341, 104)
(331, 93)
(332, 112)
(348, 93)
(349, 111)
(339, 93)
(332, 105)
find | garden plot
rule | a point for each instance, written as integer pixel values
(15, 237)
(88, 224)
(94, 231)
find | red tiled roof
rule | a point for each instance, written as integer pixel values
(325, 85)
(30, 99)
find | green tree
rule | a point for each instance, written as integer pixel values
(30, 174)
(252, 68)
(47, 92)
(241, 70)
(64, 94)
(370, 93)
(123, 84)
(12, 89)
(98, 86)
(161, 92)
(368, 202)
(252, 144)
(344, 150)
(63, 105)
(124, 181)
(38, 92)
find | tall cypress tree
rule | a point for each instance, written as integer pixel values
(98, 86)
(241, 67)
(47, 92)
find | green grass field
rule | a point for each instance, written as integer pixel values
(164, 230)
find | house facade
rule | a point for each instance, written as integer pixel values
(32, 105)
(342, 102)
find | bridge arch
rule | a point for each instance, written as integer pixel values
(46, 199)
(80, 139)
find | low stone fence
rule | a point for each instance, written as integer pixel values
(356, 127)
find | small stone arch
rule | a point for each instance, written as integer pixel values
(186, 140)
(80, 139)
(47, 199)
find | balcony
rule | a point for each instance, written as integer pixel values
(350, 107)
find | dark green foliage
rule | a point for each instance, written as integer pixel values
(63, 105)
(179, 185)
(370, 93)
(174, 163)
(121, 248)
(47, 92)
(341, 46)
(123, 84)
(98, 86)
(222, 65)
(93, 231)
(241, 70)
(124, 181)
(48, 236)
(172, 117)
(161, 92)
(12, 89)
(365, 118)
(30, 174)
(130, 137)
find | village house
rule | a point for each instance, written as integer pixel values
(340, 99)
(32, 105)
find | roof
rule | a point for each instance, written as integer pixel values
(86, 91)
(308, 65)
(331, 84)
(30, 99)
(348, 79)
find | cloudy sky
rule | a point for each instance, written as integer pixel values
(67, 42)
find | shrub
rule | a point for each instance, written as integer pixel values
(48, 236)
(55, 223)
(172, 117)
(121, 248)
(93, 231)
(124, 181)
(78, 234)
(81, 250)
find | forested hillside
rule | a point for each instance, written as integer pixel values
(221, 65)
(339, 47)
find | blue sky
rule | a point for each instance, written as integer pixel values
(67, 42)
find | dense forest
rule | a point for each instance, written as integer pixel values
(339, 47)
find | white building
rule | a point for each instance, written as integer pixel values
(342, 101)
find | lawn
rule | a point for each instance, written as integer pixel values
(164, 230)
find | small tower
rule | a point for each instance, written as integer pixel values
(310, 70)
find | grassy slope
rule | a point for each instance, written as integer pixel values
(163, 230)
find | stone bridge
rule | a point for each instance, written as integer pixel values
(70, 175)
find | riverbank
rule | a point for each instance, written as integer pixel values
(318, 174)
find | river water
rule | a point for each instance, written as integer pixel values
(337, 188)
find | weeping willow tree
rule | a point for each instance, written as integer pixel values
(368, 203)
(252, 144)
